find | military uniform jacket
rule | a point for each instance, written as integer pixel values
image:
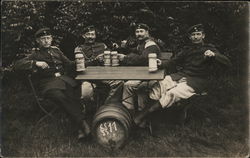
(140, 56)
(46, 78)
(91, 51)
(194, 66)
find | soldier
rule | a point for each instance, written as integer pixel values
(91, 49)
(139, 57)
(49, 64)
(93, 54)
(195, 61)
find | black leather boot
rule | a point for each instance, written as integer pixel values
(132, 112)
(141, 115)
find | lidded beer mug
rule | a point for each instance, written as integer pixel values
(114, 57)
(106, 58)
(80, 61)
(152, 62)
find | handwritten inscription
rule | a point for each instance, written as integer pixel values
(107, 128)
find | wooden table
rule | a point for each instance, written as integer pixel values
(120, 73)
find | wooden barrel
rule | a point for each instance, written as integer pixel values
(112, 125)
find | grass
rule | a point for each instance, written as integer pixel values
(217, 127)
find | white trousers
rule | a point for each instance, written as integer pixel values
(169, 91)
(87, 88)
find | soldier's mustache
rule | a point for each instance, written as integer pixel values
(90, 38)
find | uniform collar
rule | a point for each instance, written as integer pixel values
(43, 48)
(89, 44)
(197, 44)
(142, 41)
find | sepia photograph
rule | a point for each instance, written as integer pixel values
(126, 78)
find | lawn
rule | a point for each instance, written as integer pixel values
(216, 127)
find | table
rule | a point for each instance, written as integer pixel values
(120, 73)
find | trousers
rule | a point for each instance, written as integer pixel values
(130, 94)
(87, 88)
(68, 101)
(168, 92)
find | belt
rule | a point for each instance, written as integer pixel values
(58, 74)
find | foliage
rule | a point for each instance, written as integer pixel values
(226, 23)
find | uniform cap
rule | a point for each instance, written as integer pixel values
(195, 28)
(88, 29)
(142, 26)
(43, 32)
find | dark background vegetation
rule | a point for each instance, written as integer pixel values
(226, 25)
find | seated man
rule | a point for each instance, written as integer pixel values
(49, 64)
(139, 57)
(195, 61)
(93, 54)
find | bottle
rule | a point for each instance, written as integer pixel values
(106, 58)
(80, 62)
(114, 57)
(152, 63)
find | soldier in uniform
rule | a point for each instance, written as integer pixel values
(93, 54)
(195, 61)
(91, 49)
(139, 57)
(49, 65)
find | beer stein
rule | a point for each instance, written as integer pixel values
(78, 50)
(80, 62)
(114, 58)
(106, 58)
(152, 62)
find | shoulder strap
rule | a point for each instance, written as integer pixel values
(150, 43)
(54, 47)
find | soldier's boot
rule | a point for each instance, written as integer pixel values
(81, 134)
(141, 115)
(132, 112)
(84, 131)
(139, 118)
(86, 127)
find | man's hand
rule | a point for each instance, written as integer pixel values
(209, 54)
(121, 57)
(100, 57)
(115, 45)
(159, 62)
(147, 85)
(123, 43)
(42, 64)
(183, 79)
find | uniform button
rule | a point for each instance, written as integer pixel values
(57, 67)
